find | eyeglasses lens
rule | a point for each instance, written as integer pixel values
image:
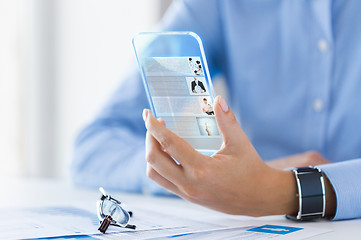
(114, 210)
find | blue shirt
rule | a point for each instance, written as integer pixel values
(293, 73)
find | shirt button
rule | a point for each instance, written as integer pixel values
(317, 105)
(322, 45)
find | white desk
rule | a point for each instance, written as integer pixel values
(44, 192)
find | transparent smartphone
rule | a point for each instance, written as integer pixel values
(175, 74)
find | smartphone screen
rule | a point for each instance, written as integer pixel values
(180, 92)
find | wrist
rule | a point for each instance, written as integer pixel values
(280, 188)
(281, 192)
(330, 198)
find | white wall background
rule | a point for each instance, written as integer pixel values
(9, 90)
(59, 62)
(94, 52)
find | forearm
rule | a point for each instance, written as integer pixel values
(102, 154)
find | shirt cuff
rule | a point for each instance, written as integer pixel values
(345, 178)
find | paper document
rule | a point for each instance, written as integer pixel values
(70, 221)
(250, 233)
(64, 222)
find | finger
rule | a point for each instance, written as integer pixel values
(175, 146)
(161, 161)
(163, 123)
(228, 124)
(315, 158)
(159, 179)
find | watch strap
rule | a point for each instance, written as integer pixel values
(311, 193)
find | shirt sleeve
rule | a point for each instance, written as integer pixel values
(110, 151)
(345, 178)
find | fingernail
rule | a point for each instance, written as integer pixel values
(223, 104)
(145, 114)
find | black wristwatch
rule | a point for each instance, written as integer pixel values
(311, 194)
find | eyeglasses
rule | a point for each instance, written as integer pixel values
(111, 212)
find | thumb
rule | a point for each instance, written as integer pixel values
(233, 134)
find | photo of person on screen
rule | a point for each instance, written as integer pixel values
(207, 126)
(197, 86)
(207, 107)
(195, 65)
(208, 130)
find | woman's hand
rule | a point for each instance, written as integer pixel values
(235, 180)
